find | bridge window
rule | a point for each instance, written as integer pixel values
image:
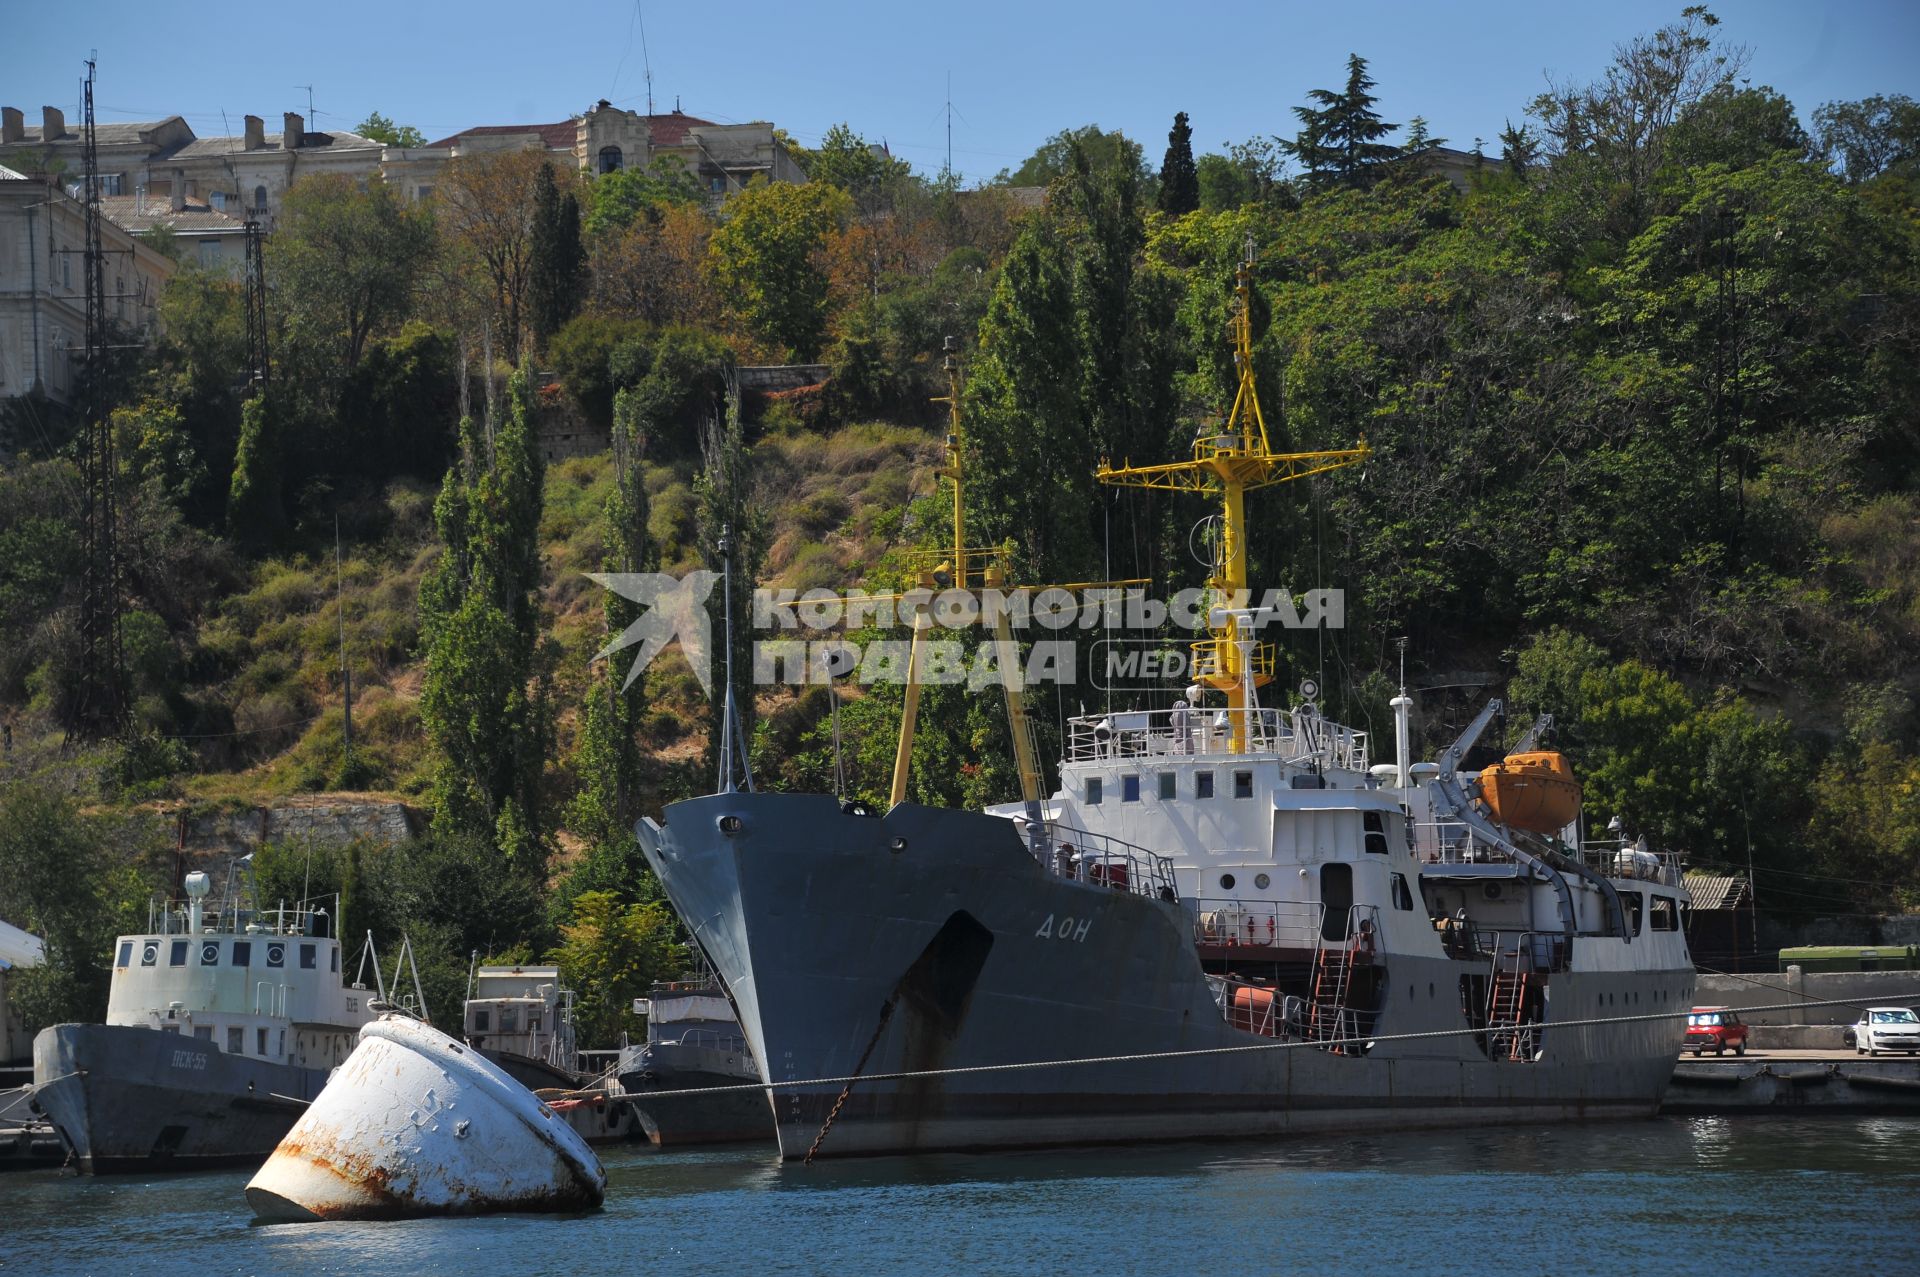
(126, 954)
(1376, 828)
(308, 957)
(1243, 784)
(1168, 786)
(1203, 784)
(209, 953)
(276, 955)
(509, 1019)
(611, 160)
(482, 1020)
(1129, 789)
(242, 952)
(1634, 904)
(236, 1039)
(177, 956)
(1664, 916)
(259, 1041)
(1093, 791)
(1402, 896)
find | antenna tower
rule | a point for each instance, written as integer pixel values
(256, 307)
(102, 702)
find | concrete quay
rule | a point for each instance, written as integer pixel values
(1795, 1081)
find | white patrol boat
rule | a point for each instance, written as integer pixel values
(222, 1025)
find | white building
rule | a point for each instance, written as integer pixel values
(43, 286)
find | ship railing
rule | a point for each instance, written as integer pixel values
(1453, 842)
(1626, 860)
(173, 917)
(1535, 951)
(1107, 862)
(1266, 923)
(715, 1038)
(1265, 1011)
(1297, 735)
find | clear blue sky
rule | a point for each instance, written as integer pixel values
(1020, 72)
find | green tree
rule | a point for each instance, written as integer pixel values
(486, 702)
(256, 499)
(609, 759)
(1875, 135)
(557, 270)
(611, 953)
(1104, 151)
(1339, 143)
(765, 259)
(616, 200)
(1179, 180)
(345, 263)
(73, 879)
(381, 129)
(866, 171)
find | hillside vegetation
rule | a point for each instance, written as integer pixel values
(1640, 389)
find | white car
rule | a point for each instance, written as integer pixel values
(1887, 1029)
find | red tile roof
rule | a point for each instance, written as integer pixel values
(556, 137)
(671, 129)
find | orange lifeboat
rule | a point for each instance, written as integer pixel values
(1253, 1010)
(1535, 791)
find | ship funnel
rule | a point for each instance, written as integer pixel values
(197, 885)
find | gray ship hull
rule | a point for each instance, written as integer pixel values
(674, 1121)
(818, 920)
(125, 1098)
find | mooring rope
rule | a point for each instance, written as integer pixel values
(1137, 1057)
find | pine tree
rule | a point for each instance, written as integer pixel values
(1339, 141)
(724, 490)
(486, 702)
(557, 261)
(1179, 179)
(1518, 148)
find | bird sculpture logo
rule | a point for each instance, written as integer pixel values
(676, 608)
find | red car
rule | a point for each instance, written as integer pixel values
(1715, 1029)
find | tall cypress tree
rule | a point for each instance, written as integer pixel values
(485, 702)
(1179, 178)
(603, 812)
(557, 259)
(1339, 140)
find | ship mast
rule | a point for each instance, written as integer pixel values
(1229, 464)
(986, 573)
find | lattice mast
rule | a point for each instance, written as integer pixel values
(256, 307)
(102, 702)
(1229, 464)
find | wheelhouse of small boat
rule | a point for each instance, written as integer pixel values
(261, 983)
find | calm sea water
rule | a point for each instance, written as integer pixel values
(1767, 1195)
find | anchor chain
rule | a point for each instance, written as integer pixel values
(886, 1013)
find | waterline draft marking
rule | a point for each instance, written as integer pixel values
(677, 608)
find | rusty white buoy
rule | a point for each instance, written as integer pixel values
(416, 1123)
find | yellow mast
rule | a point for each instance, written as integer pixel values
(1230, 464)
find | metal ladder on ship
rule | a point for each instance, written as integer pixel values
(1509, 1035)
(1328, 1017)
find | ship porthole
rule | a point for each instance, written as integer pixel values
(897, 846)
(730, 824)
(1261, 881)
(1226, 882)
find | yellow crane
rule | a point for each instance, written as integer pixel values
(1230, 463)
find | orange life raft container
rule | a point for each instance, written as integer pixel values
(1532, 791)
